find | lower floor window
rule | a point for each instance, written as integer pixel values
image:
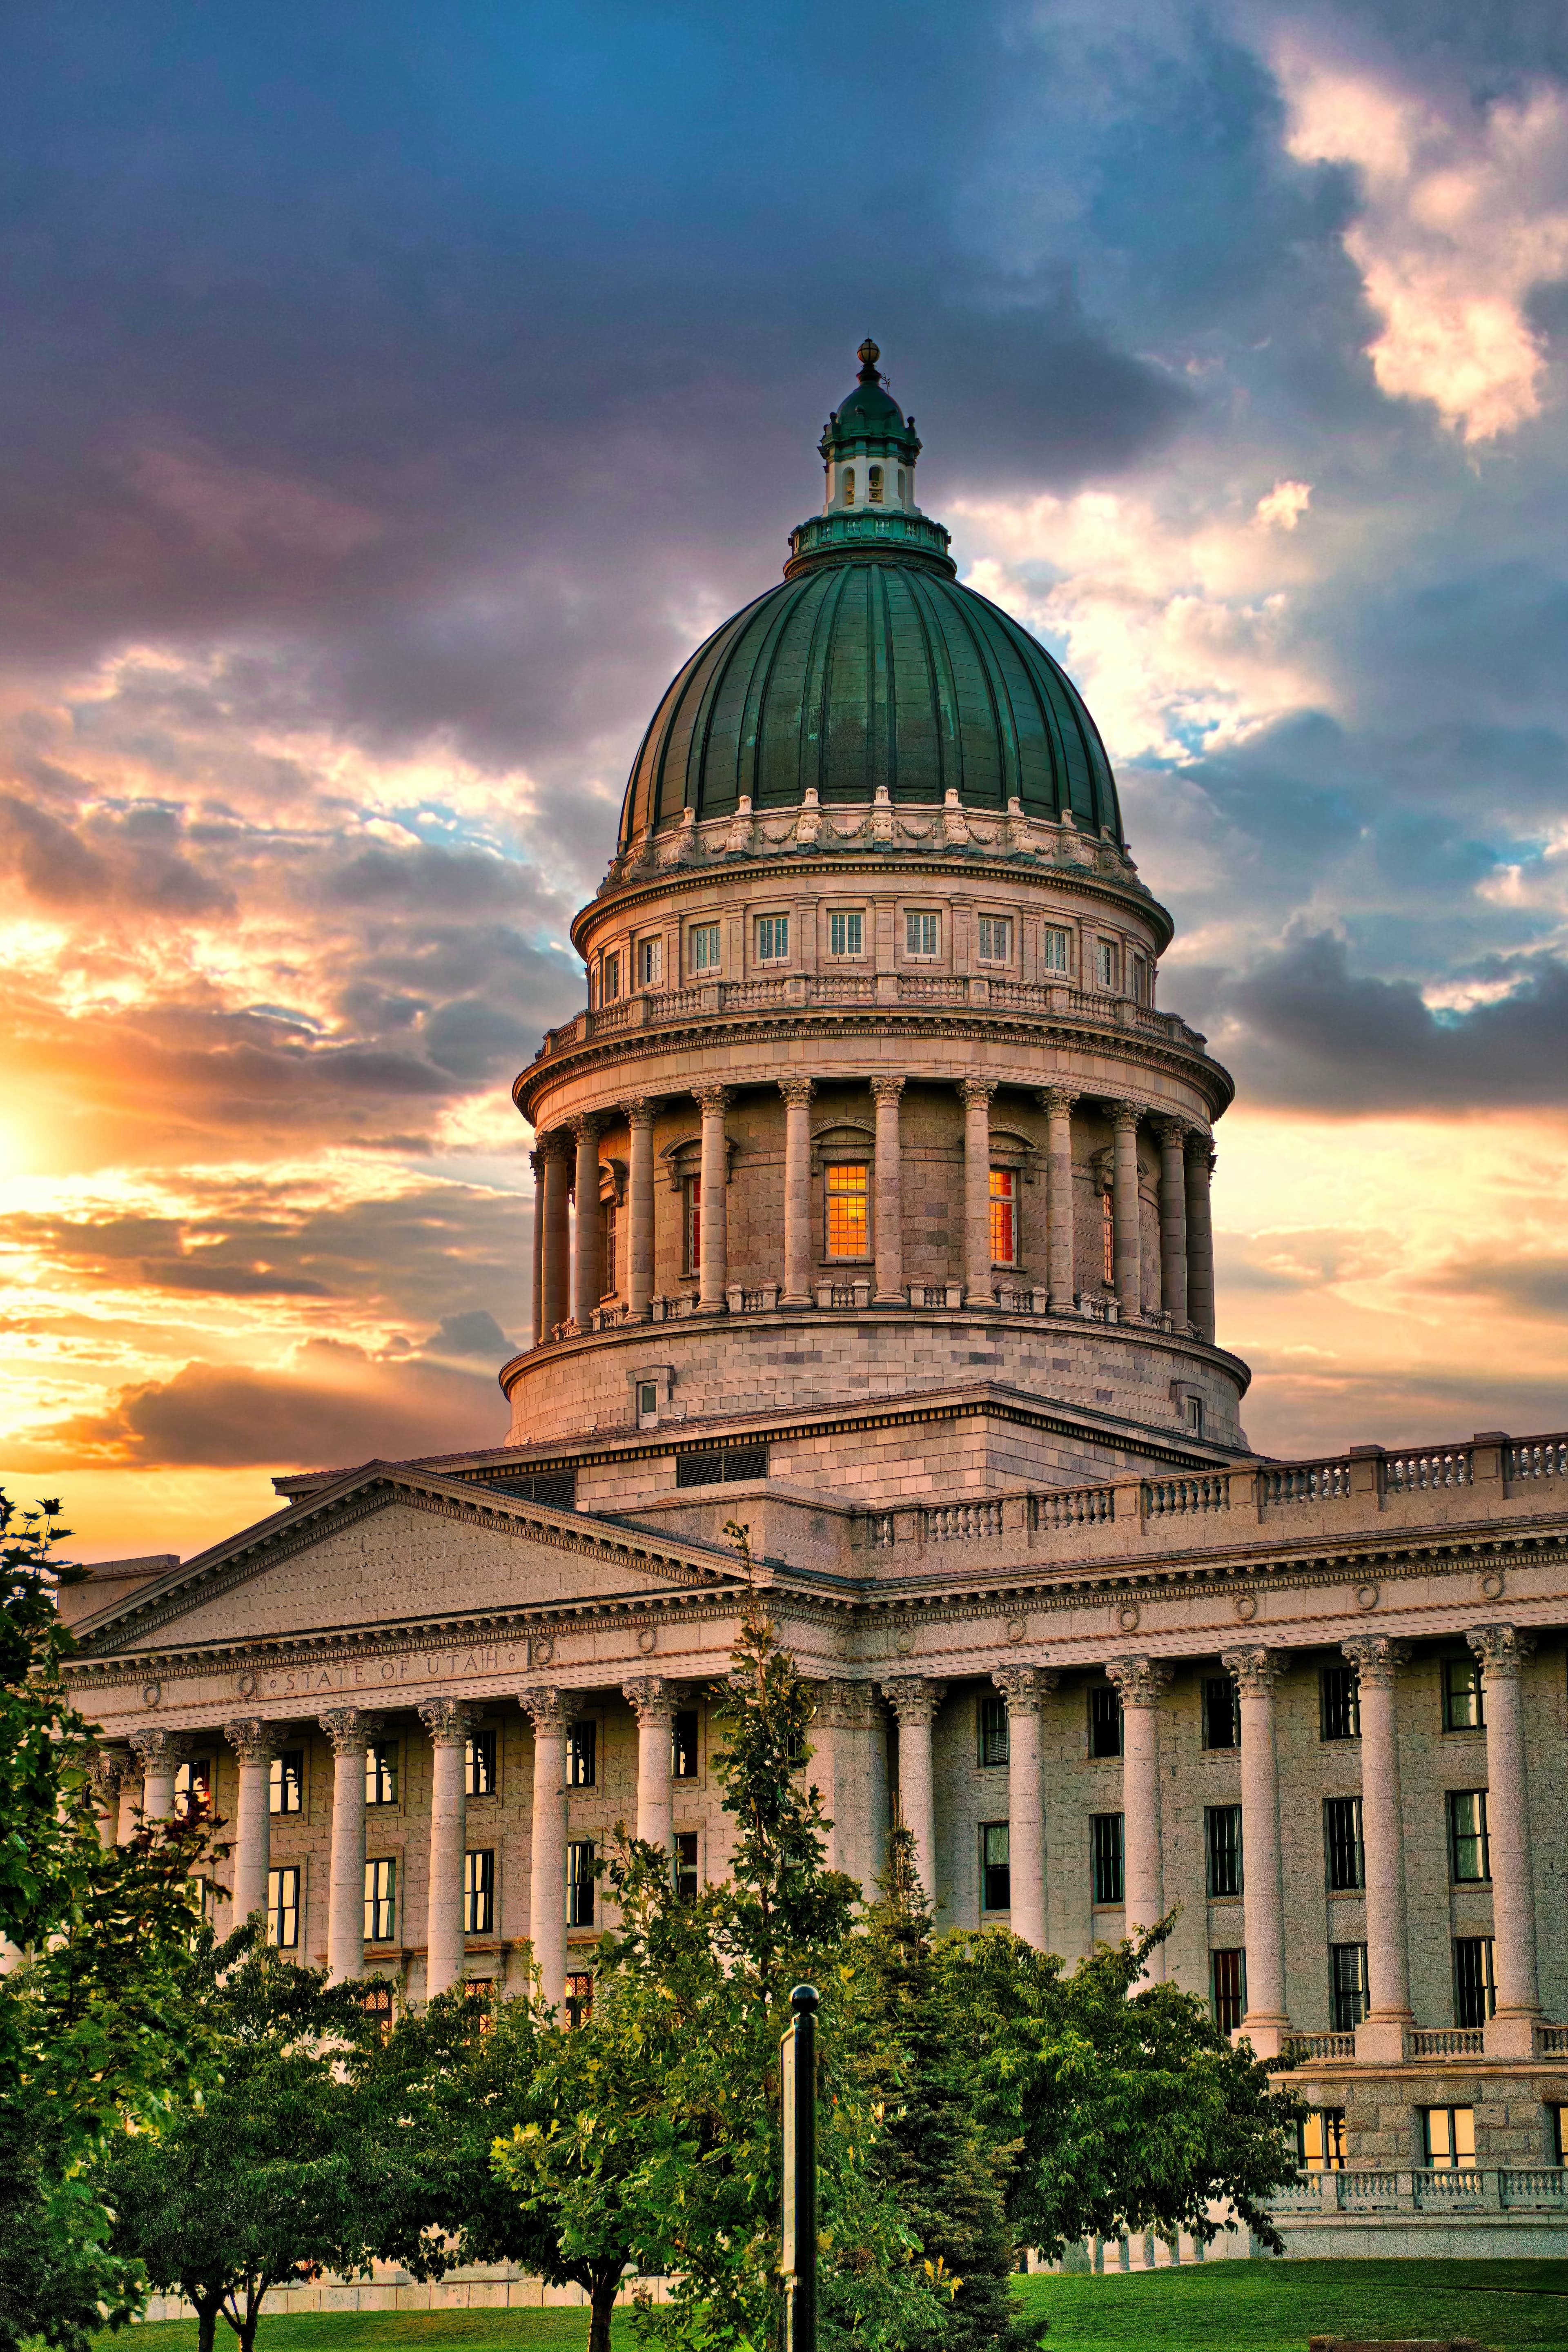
(849, 1204)
(996, 1872)
(1320, 2140)
(379, 2003)
(1449, 2138)
(1229, 1979)
(283, 1908)
(579, 1883)
(479, 1892)
(1475, 1990)
(380, 1901)
(685, 1865)
(1004, 1217)
(1559, 2116)
(1107, 1829)
(1347, 1985)
(1108, 1238)
(579, 1999)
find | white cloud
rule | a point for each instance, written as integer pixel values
(1281, 507)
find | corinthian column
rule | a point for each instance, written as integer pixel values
(978, 1094)
(1200, 1235)
(449, 1723)
(256, 1743)
(350, 1731)
(1025, 1689)
(1378, 1661)
(1061, 1267)
(653, 1699)
(714, 1270)
(639, 1208)
(549, 1711)
(1502, 1651)
(1172, 1135)
(1140, 1681)
(797, 1094)
(536, 1304)
(914, 1701)
(161, 1754)
(887, 1093)
(1124, 1118)
(1256, 1671)
(587, 1129)
(109, 1771)
(556, 1304)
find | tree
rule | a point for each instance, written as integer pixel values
(258, 2180)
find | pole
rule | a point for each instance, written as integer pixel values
(797, 2052)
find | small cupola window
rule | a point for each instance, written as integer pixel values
(874, 487)
(849, 486)
(903, 486)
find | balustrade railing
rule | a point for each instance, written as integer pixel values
(932, 988)
(1073, 1506)
(883, 1532)
(1170, 1498)
(1447, 2041)
(1304, 1482)
(1425, 1474)
(1332, 2049)
(1538, 1457)
(843, 988)
(961, 1522)
(1552, 2041)
(740, 993)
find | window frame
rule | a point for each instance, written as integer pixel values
(1050, 933)
(1229, 1997)
(480, 1891)
(194, 1778)
(1333, 2150)
(1342, 1995)
(681, 1715)
(481, 1762)
(278, 1783)
(876, 486)
(990, 957)
(278, 1874)
(1328, 1709)
(650, 961)
(1212, 1747)
(376, 1901)
(1467, 1694)
(686, 1865)
(922, 916)
(581, 1882)
(1452, 2159)
(610, 976)
(1105, 1708)
(1480, 1837)
(841, 1167)
(777, 950)
(1336, 1849)
(1108, 1860)
(381, 1762)
(704, 949)
(993, 1726)
(1107, 961)
(1475, 2002)
(691, 1224)
(1223, 1857)
(579, 2001)
(1009, 1202)
(851, 918)
(582, 1739)
(995, 1867)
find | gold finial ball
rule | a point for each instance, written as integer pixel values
(867, 356)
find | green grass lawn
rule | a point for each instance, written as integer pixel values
(1210, 2307)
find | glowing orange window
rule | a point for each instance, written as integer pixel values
(848, 1211)
(1108, 1234)
(1004, 1217)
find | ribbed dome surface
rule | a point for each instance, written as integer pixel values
(863, 673)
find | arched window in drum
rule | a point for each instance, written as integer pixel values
(849, 486)
(874, 487)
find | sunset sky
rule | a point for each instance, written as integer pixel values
(393, 394)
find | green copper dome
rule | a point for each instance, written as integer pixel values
(870, 667)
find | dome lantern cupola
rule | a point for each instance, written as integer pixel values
(869, 448)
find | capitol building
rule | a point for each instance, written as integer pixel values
(872, 1211)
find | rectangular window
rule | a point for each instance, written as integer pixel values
(920, 935)
(480, 1764)
(1559, 2134)
(704, 949)
(648, 1398)
(1449, 2138)
(1222, 1714)
(1475, 1988)
(286, 1781)
(1105, 963)
(479, 1893)
(1108, 1240)
(1344, 1851)
(1004, 1217)
(579, 1881)
(1106, 1829)
(1462, 1703)
(1140, 979)
(1339, 1703)
(692, 1205)
(283, 1908)
(1055, 950)
(193, 1789)
(992, 1728)
(581, 1754)
(683, 1745)
(1469, 1848)
(1347, 1985)
(845, 930)
(381, 1772)
(721, 1464)
(1320, 2140)
(996, 942)
(684, 1864)
(379, 2004)
(772, 939)
(995, 1876)
(579, 1999)
(1223, 1827)
(650, 963)
(380, 1901)
(847, 1196)
(1104, 1719)
(610, 983)
(1228, 1977)
(608, 1247)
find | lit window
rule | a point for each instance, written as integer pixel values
(683, 1744)
(1107, 1829)
(684, 1866)
(995, 1873)
(650, 963)
(1105, 963)
(1222, 1826)
(849, 486)
(1343, 1848)
(1320, 2140)
(378, 2004)
(1221, 1712)
(1108, 1237)
(845, 930)
(380, 1901)
(580, 1882)
(1339, 1704)
(1104, 1719)
(479, 1893)
(480, 1764)
(194, 1791)
(381, 1772)
(1449, 2137)
(1475, 1986)
(1229, 1980)
(848, 1199)
(993, 1745)
(1559, 2135)
(607, 1261)
(692, 1188)
(581, 1754)
(704, 947)
(874, 487)
(286, 1781)
(1004, 1217)
(1347, 1985)
(283, 1908)
(772, 939)
(920, 935)
(579, 1999)
(1463, 1707)
(1468, 1845)
(1054, 949)
(995, 939)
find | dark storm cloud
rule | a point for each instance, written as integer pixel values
(475, 1333)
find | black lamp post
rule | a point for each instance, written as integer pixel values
(797, 2052)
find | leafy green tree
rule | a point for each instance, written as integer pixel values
(258, 2180)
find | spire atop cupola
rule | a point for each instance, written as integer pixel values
(869, 446)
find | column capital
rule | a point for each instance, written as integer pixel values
(548, 1708)
(714, 1101)
(588, 1126)
(253, 1738)
(1026, 1688)
(844, 1703)
(447, 1720)
(976, 1093)
(1125, 1114)
(107, 1770)
(1502, 1649)
(1171, 1131)
(1199, 1149)
(1376, 1658)
(1140, 1680)
(885, 1090)
(555, 1143)
(1255, 1668)
(653, 1698)
(536, 1162)
(797, 1090)
(349, 1728)
(639, 1112)
(160, 1750)
(1057, 1098)
(913, 1698)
